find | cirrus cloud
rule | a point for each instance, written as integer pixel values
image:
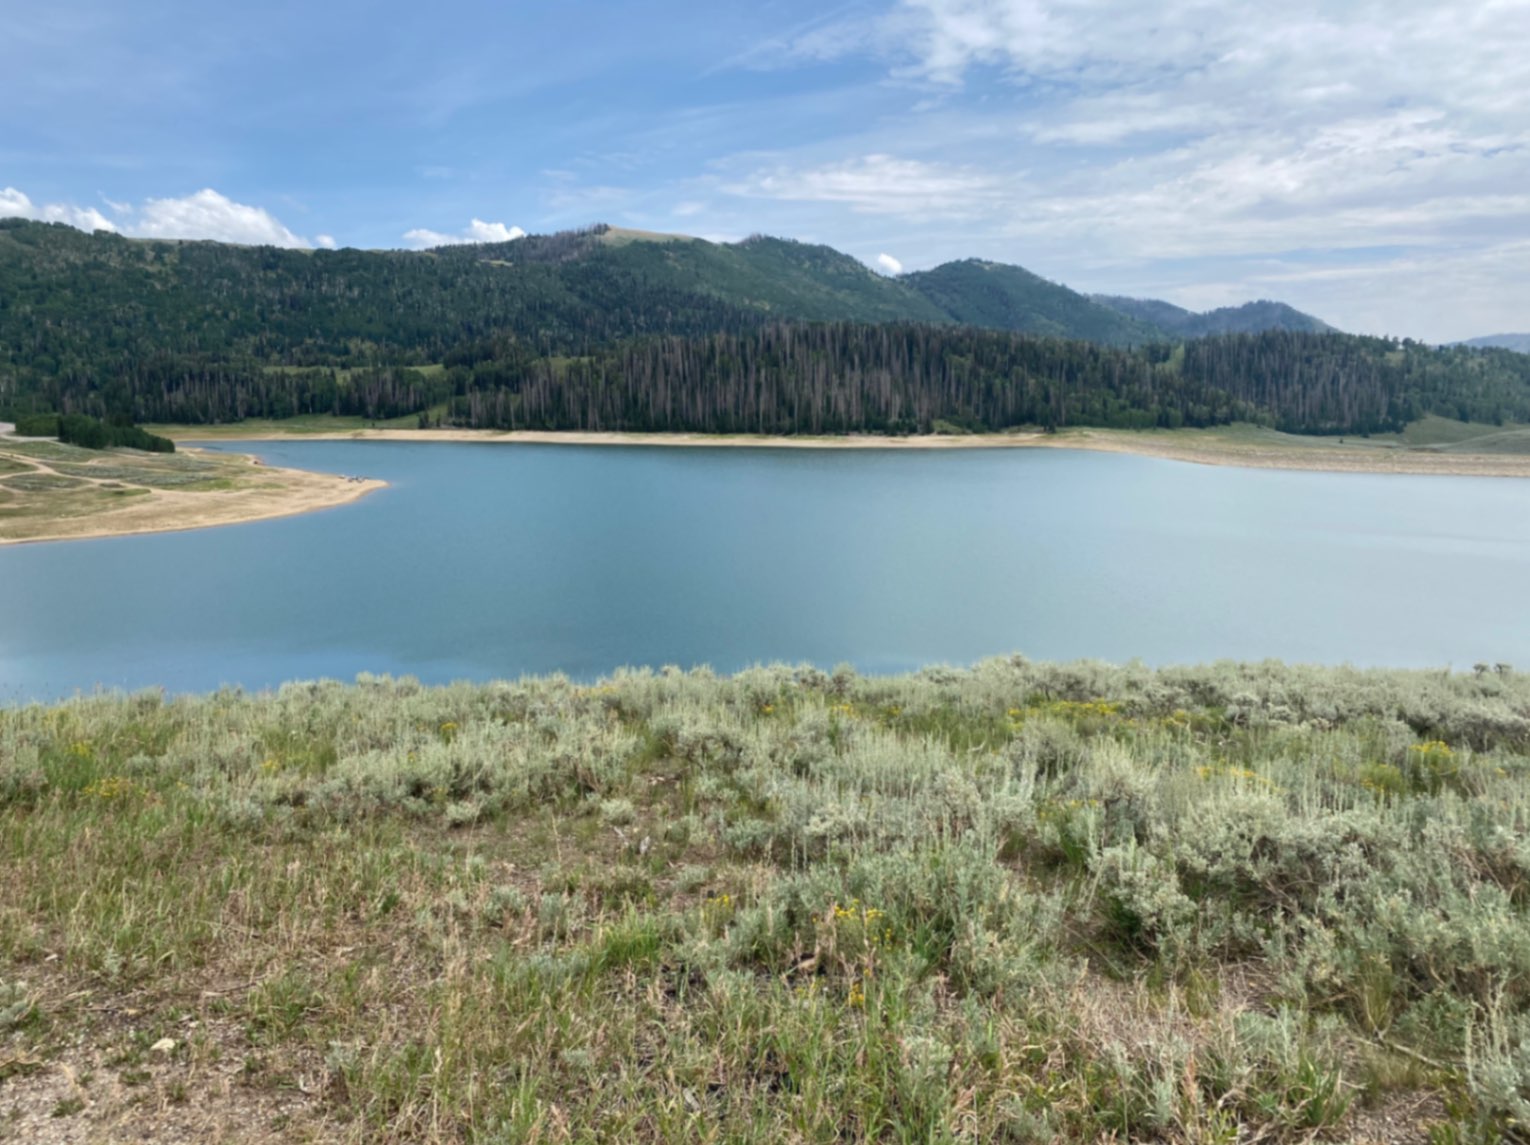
(1198, 140)
(876, 184)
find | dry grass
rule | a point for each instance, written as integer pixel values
(50, 491)
(1025, 903)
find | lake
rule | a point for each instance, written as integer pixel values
(487, 561)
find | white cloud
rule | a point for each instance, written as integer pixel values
(889, 264)
(206, 214)
(688, 208)
(14, 204)
(476, 231)
(1403, 178)
(1438, 295)
(876, 184)
(325, 241)
(1194, 138)
(209, 215)
(1469, 54)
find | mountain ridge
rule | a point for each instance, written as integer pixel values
(685, 282)
(1519, 342)
(1247, 318)
(596, 330)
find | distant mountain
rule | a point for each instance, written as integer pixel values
(1520, 342)
(786, 279)
(616, 329)
(780, 278)
(1250, 318)
(1001, 297)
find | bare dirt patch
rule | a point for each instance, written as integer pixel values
(63, 493)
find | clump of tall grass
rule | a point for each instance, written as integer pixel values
(1022, 901)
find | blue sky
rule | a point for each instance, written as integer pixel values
(1369, 162)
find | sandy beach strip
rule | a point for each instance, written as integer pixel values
(1200, 447)
(270, 492)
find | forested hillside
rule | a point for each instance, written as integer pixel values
(607, 329)
(990, 294)
(840, 378)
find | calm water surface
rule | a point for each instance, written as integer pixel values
(484, 561)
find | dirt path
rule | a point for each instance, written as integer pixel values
(116, 503)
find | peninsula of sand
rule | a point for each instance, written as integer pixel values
(1244, 446)
(51, 492)
(54, 492)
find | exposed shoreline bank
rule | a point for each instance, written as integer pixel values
(270, 493)
(1251, 449)
(282, 492)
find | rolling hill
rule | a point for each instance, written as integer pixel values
(607, 328)
(1520, 342)
(1250, 318)
(1001, 297)
(782, 278)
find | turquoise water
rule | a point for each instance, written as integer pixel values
(485, 561)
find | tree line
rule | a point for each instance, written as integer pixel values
(572, 332)
(90, 433)
(844, 377)
(839, 378)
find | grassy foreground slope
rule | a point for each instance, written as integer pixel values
(1020, 903)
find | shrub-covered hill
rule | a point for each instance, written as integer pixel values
(1017, 903)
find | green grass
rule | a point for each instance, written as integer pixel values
(1020, 903)
(306, 424)
(46, 450)
(41, 483)
(48, 489)
(1506, 441)
(624, 236)
(1435, 430)
(1446, 435)
(1238, 436)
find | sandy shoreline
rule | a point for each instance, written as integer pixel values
(277, 492)
(1200, 447)
(274, 492)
